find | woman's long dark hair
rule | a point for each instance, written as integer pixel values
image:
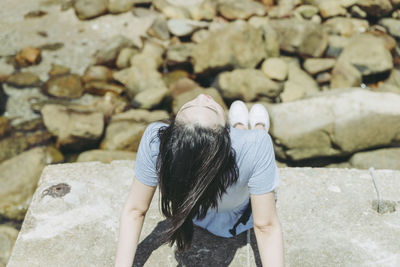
(195, 166)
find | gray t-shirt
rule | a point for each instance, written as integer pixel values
(258, 174)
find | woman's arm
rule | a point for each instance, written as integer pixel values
(131, 222)
(267, 229)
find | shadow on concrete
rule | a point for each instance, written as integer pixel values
(206, 250)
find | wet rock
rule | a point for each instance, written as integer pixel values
(107, 54)
(97, 73)
(124, 57)
(240, 9)
(346, 26)
(149, 98)
(275, 68)
(119, 6)
(331, 8)
(8, 236)
(73, 128)
(339, 128)
(180, 99)
(87, 9)
(159, 28)
(392, 26)
(64, 86)
(237, 45)
(247, 84)
(28, 56)
(101, 88)
(105, 156)
(302, 37)
(376, 8)
(126, 129)
(317, 65)
(5, 126)
(19, 184)
(58, 70)
(179, 53)
(23, 79)
(385, 158)
(183, 27)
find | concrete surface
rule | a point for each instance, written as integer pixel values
(327, 216)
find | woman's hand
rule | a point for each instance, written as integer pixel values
(131, 222)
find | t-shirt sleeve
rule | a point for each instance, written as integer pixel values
(265, 177)
(146, 157)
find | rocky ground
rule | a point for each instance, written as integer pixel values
(81, 79)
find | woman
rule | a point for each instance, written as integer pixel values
(206, 170)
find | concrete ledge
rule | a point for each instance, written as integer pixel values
(327, 217)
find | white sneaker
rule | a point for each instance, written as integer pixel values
(238, 113)
(258, 114)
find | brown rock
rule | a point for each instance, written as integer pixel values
(58, 70)
(23, 79)
(28, 56)
(64, 86)
(5, 126)
(101, 88)
(87, 9)
(174, 76)
(97, 73)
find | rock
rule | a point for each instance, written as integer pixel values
(170, 10)
(302, 78)
(174, 76)
(376, 8)
(281, 11)
(73, 129)
(149, 98)
(101, 88)
(108, 53)
(87, 9)
(392, 84)
(5, 126)
(240, 9)
(357, 12)
(331, 8)
(346, 26)
(110, 104)
(275, 68)
(307, 11)
(197, 10)
(97, 73)
(105, 156)
(324, 77)
(392, 26)
(159, 28)
(18, 184)
(202, 10)
(302, 37)
(270, 35)
(8, 236)
(336, 45)
(385, 158)
(64, 86)
(119, 6)
(238, 45)
(367, 54)
(181, 86)
(124, 57)
(317, 65)
(180, 99)
(247, 84)
(58, 70)
(345, 75)
(28, 56)
(348, 120)
(179, 53)
(200, 35)
(23, 79)
(183, 27)
(292, 91)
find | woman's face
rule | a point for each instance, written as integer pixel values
(203, 110)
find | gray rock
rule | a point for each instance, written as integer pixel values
(346, 26)
(275, 68)
(317, 65)
(392, 26)
(179, 53)
(302, 78)
(64, 86)
(292, 91)
(240, 9)
(149, 98)
(237, 45)
(336, 45)
(302, 37)
(194, 9)
(18, 177)
(105, 156)
(183, 27)
(8, 236)
(87, 9)
(108, 53)
(385, 158)
(119, 6)
(72, 127)
(376, 8)
(23, 79)
(247, 84)
(159, 28)
(170, 10)
(349, 120)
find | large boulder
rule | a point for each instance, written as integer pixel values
(248, 85)
(18, 178)
(349, 120)
(238, 45)
(385, 158)
(302, 37)
(72, 127)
